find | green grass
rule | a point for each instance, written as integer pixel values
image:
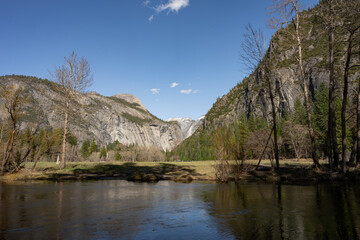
(201, 168)
(291, 171)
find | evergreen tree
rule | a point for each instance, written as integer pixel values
(320, 116)
(299, 116)
(85, 149)
(71, 139)
(43, 142)
(103, 153)
(93, 147)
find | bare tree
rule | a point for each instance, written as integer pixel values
(286, 16)
(12, 97)
(222, 166)
(17, 148)
(340, 18)
(294, 135)
(253, 48)
(73, 77)
(351, 23)
(328, 14)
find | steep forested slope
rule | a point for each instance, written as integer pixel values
(249, 99)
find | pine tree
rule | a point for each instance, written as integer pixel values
(103, 153)
(299, 116)
(85, 149)
(93, 147)
(320, 115)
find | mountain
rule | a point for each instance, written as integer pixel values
(236, 125)
(187, 125)
(120, 117)
(250, 97)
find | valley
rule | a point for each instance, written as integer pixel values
(275, 156)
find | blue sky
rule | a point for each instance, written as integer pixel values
(141, 47)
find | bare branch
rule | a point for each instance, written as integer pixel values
(253, 48)
(73, 77)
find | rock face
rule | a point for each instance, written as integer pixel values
(250, 97)
(187, 125)
(120, 117)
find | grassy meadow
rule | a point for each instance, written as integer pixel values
(291, 170)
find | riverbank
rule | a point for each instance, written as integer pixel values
(133, 171)
(291, 171)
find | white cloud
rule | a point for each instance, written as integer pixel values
(146, 3)
(155, 90)
(174, 84)
(188, 91)
(170, 6)
(173, 5)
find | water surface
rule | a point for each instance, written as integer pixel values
(115, 209)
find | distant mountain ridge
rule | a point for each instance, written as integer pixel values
(120, 117)
(187, 125)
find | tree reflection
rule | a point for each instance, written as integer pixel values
(270, 211)
(120, 209)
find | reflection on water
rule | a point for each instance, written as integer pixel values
(167, 210)
(103, 210)
(266, 211)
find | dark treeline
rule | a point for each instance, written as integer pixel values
(248, 138)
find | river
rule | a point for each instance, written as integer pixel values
(116, 209)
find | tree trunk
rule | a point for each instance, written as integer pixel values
(36, 160)
(352, 159)
(358, 121)
(1, 134)
(263, 152)
(305, 88)
(344, 103)
(329, 147)
(274, 123)
(63, 153)
(35, 163)
(296, 149)
(333, 148)
(6, 155)
(9, 146)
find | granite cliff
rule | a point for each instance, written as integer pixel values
(120, 117)
(250, 97)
